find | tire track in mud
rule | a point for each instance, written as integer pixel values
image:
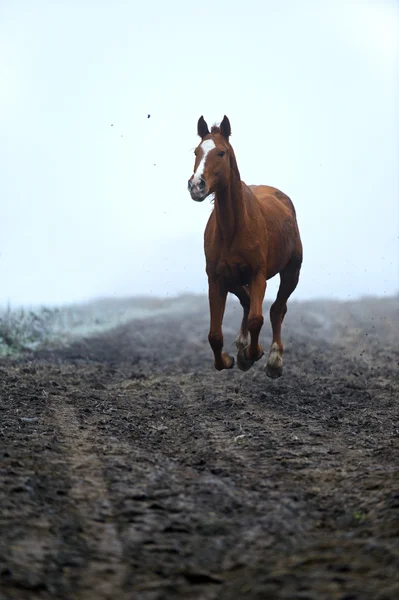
(105, 571)
(151, 491)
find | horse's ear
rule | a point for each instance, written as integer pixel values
(225, 128)
(202, 127)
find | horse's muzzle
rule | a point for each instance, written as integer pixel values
(197, 189)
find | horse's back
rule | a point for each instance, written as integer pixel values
(285, 246)
(263, 192)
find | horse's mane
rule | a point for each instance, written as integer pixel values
(215, 129)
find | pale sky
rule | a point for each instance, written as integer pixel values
(89, 209)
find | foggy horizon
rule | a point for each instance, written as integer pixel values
(94, 193)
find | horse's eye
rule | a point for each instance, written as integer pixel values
(221, 153)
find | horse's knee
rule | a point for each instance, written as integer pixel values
(215, 341)
(255, 322)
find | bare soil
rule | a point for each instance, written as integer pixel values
(130, 469)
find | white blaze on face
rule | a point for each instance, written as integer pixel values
(206, 147)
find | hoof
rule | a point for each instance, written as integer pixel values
(228, 362)
(243, 362)
(274, 366)
(232, 361)
(273, 372)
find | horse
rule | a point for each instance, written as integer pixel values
(252, 235)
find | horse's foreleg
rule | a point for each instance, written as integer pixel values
(288, 282)
(217, 303)
(253, 352)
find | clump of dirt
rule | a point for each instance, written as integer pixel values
(129, 468)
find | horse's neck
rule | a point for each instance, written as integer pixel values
(230, 209)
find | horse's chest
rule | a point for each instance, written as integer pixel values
(234, 270)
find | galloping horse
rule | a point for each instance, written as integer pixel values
(252, 234)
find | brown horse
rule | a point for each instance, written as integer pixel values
(252, 234)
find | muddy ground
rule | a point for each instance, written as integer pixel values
(130, 469)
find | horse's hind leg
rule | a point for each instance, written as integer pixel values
(247, 355)
(288, 282)
(242, 294)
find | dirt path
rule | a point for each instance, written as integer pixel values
(130, 469)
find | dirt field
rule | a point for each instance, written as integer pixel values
(130, 469)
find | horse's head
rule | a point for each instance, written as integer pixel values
(212, 160)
